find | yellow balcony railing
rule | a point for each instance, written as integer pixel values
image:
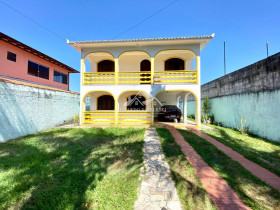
(134, 118)
(162, 77)
(125, 118)
(98, 118)
(144, 77)
(99, 78)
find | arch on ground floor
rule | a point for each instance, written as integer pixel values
(197, 115)
(102, 93)
(135, 93)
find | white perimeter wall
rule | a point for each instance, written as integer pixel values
(260, 110)
(25, 110)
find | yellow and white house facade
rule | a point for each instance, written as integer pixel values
(124, 82)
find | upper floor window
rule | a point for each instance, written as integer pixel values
(59, 77)
(106, 66)
(38, 70)
(174, 64)
(11, 56)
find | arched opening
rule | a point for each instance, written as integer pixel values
(105, 102)
(174, 64)
(145, 66)
(179, 98)
(106, 66)
(136, 102)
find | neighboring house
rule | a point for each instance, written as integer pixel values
(122, 81)
(23, 63)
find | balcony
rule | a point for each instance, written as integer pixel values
(139, 67)
(159, 77)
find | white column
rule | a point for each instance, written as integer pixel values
(152, 112)
(198, 110)
(116, 70)
(186, 108)
(198, 69)
(82, 105)
(152, 70)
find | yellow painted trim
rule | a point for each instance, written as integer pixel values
(116, 71)
(152, 70)
(82, 102)
(198, 69)
(137, 91)
(175, 49)
(134, 51)
(98, 52)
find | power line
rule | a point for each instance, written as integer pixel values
(30, 19)
(142, 21)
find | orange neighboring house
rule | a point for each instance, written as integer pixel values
(21, 62)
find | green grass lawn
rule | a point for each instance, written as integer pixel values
(258, 150)
(72, 169)
(190, 191)
(254, 192)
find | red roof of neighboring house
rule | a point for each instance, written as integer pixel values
(18, 82)
(10, 40)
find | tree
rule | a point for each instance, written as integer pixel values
(206, 109)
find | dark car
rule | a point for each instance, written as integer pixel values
(169, 112)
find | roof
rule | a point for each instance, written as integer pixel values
(25, 83)
(203, 40)
(20, 45)
(141, 40)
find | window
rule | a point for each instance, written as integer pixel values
(11, 56)
(38, 70)
(174, 64)
(106, 66)
(59, 77)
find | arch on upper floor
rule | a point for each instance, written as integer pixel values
(175, 59)
(106, 65)
(92, 59)
(174, 63)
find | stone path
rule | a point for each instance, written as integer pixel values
(157, 188)
(222, 195)
(268, 177)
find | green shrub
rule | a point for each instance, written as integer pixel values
(76, 118)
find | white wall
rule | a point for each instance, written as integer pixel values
(260, 110)
(25, 110)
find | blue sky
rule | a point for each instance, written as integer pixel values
(245, 25)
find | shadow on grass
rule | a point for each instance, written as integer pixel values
(54, 169)
(254, 192)
(191, 192)
(267, 159)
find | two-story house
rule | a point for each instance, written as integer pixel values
(123, 82)
(21, 62)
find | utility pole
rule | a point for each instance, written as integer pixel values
(225, 68)
(266, 48)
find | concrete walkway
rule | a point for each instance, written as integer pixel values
(157, 189)
(268, 177)
(222, 195)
